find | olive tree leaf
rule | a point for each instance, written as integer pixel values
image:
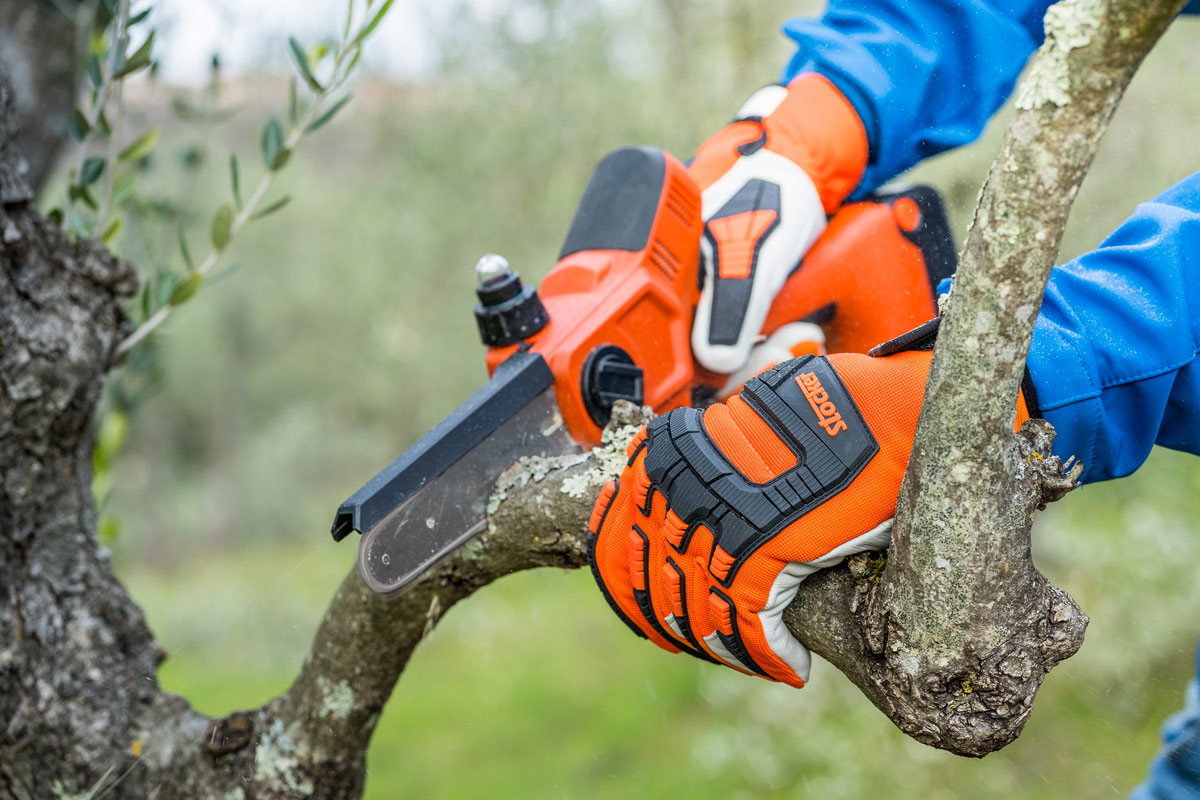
(271, 209)
(92, 169)
(221, 224)
(79, 193)
(185, 289)
(80, 127)
(94, 70)
(272, 142)
(221, 274)
(183, 249)
(110, 233)
(303, 65)
(139, 60)
(233, 179)
(167, 281)
(370, 27)
(328, 115)
(140, 147)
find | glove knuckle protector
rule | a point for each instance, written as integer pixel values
(720, 514)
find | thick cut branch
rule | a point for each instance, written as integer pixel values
(962, 603)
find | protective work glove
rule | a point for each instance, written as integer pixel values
(720, 514)
(768, 181)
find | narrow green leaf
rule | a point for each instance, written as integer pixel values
(167, 281)
(80, 194)
(56, 215)
(349, 19)
(94, 70)
(183, 250)
(354, 59)
(293, 102)
(80, 127)
(140, 147)
(110, 233)
(328, 115)
(145, 301)
(139, 60)
(281, 159)
(221, 224)
(103, 124)
(221, 274)
(92, 169)
(271, 209)
(233, 178)
(272, 142)
(374, 23)
(186, 289)
(122, 186)
(138, 17)
(302, 64)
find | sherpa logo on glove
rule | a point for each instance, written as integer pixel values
(827, 413)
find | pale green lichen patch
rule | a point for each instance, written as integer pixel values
(337, 699)
(277, 762)
(607, 461)
(529, 469)
(1069, 24)
(474, 548)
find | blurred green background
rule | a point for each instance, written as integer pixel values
(347, 333)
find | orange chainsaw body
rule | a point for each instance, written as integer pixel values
(628, 278)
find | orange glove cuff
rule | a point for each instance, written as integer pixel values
(815, 127)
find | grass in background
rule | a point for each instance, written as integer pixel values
(348, 333)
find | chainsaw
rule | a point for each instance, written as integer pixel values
(612, 321)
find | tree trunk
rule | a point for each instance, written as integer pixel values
(81, 706)
(38, 46)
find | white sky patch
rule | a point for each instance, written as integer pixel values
(251, 35)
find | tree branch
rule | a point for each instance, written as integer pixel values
(968, 627)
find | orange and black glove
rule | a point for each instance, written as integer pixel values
(768, 181)
(721, 513)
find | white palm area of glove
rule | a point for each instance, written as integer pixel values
(801, 221)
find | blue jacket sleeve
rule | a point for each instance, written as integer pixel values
(1113, 357)
(924, 75)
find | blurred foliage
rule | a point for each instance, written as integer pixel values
(296, 380)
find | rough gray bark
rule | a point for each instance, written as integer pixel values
(950, 640)
(37, 50)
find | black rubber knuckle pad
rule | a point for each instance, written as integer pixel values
(702, 486)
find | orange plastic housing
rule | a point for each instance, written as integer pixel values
(864, 281)
(873, 276)
(641, 301)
